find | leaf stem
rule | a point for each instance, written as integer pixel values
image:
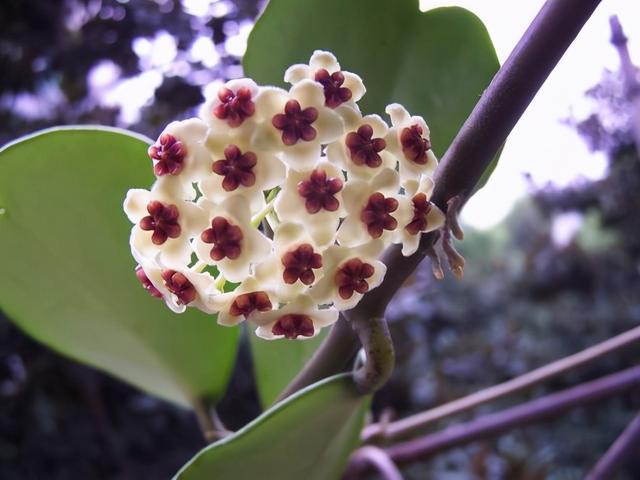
(373, 334)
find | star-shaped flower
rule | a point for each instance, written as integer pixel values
(229, 241)
(299, 319)
(164, 222)
(349, 273)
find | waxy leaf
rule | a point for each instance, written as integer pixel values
(67, 272)
(435, 63)
(308, 436)
(277, 362)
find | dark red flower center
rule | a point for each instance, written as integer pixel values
(225, 237)
(334, 93)
(352, 277)
(376, 214)
(236, 168)
(247, 303)
(319, 191)
(295, 123)
(414, 145)
(146, 283)
(365, 150)
(162, 220)
(180, 286)
(168, 155)
(421, 208)
(293, 325)
(299, 264)
(234, 107)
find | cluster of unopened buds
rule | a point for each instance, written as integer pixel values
(274, 205)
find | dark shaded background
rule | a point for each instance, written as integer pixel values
(525, 300)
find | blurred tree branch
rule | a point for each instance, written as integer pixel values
(494, 424)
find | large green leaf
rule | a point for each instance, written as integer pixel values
(275, 363)
(308, 436)
(435, 63)
(68, 276)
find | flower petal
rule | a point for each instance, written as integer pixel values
(324, 59)
(354, 83)
(296, 73)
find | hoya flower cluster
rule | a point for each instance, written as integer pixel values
(288, 195)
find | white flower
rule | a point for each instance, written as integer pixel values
(296, 262)
(349, 274)
(300, 318)
(363, 152)
(423, 216)
(230, 242)
(164, 222)
(247, 299)
(179, 151)
(180, 288)
(372, 210)
(410, 141)
(231, 114)
(339, 87)
(296, 123)
(313, 198)
(238, 170)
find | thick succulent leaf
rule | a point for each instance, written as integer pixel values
(310, 435)
(435, 63)
(68, 275)
(276, 362)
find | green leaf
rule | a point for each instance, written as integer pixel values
(310, 435)
(436, 63)
(276, 362)
(68, 275)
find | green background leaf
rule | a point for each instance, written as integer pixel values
(276, 362)
(436, 63)
(68, 275)
(308, 436)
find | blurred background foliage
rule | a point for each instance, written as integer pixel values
(560, 274)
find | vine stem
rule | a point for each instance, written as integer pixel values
(406, 426)
(376, 458)
(471, 152)
(493, 424)
(621, 450)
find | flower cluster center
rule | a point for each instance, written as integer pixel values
(414, 145)
(247, 303)
(162, 221)
(295, 123)
(236, 168)
(168, 153)
(225, 237)
(180, 286)
(293, 325)
(334, 93)
(234, 107)
(319, 191)
(352, 277)
(299, 264)
(364, 149)
(376, 214)
(421, 208)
